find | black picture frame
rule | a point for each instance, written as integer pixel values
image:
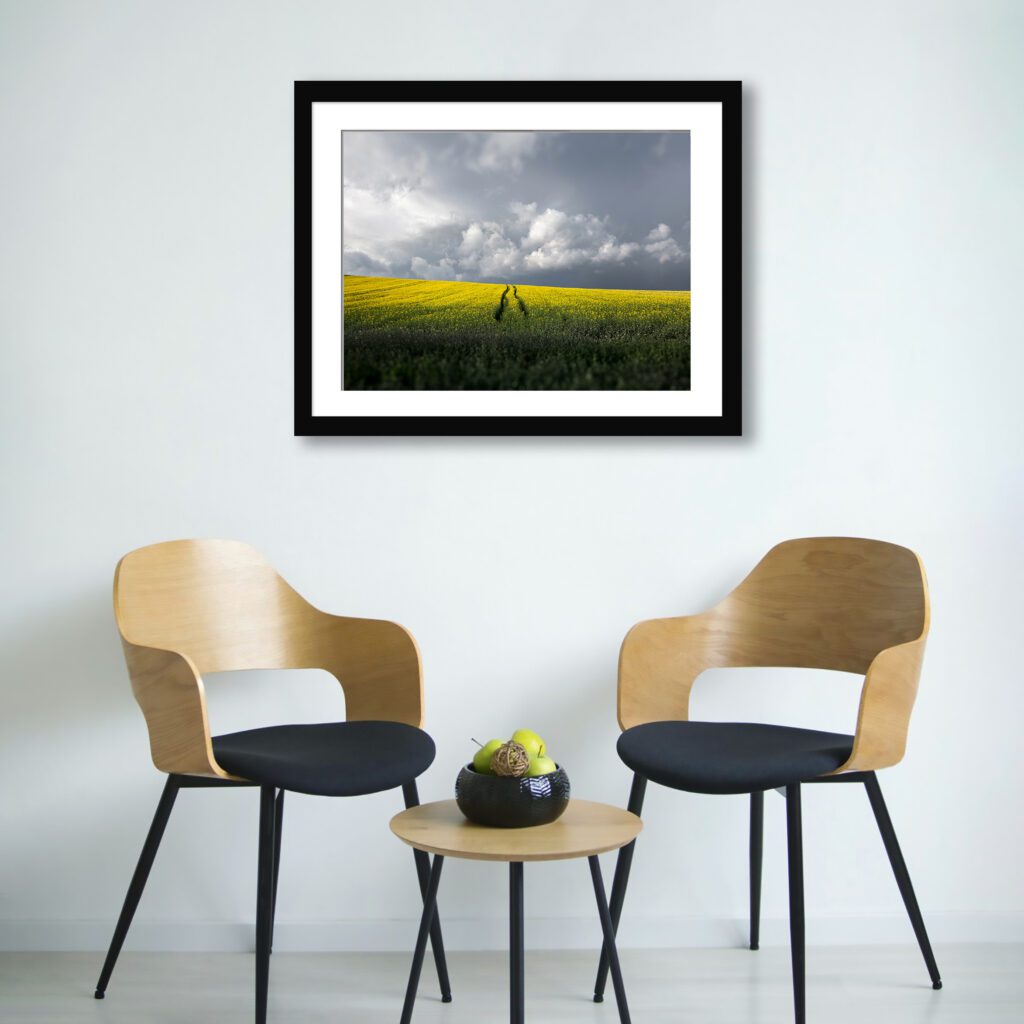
(726, 93)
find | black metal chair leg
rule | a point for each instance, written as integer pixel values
(899, 869)
(609, 940)
(412, 799)
(138, 882)
(517, 981)
(429, 912)
(619, 883)
(756, 849)
(278, 829)
(264, 899)
(796, 899)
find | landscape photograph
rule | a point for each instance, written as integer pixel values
(530, 261)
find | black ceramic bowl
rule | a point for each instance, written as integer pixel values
(503, 802)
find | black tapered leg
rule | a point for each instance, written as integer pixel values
(412, 799)
(278, 829)
(609, 940)
(264, 899)
(517, 981)
(756, 848)
(138, 882)
(429, 912)
(899, 869)
(619, 882)
(796, 899)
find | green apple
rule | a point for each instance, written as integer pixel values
(482, 758)
(541, 766)
(530, 741)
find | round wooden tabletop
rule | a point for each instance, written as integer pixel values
(586, 828)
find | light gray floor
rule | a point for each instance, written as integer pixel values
(878, 985)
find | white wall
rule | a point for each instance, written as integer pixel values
(146, 305)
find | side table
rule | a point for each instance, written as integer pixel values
(586, 829)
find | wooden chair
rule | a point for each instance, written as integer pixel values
(186, 608)
(831, 603)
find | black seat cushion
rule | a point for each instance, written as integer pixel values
(334, 759)
(730, 757)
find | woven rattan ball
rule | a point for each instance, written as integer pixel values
(510, 759)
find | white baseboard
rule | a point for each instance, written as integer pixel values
(398, 935)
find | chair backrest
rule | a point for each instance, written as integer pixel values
(822, 602)
(217, 601)
(189, 607)
(819, 602)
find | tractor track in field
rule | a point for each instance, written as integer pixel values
(506, 305)
(499, 311)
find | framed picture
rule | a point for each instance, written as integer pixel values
(515, 258)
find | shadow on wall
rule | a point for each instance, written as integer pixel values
(749, 295)
(68, 703)
(67, 670)
(83, 788)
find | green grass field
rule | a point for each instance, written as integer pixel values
(403, 335)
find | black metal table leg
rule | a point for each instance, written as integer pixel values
(410, 792)
(756, 850)
(796, 898)
(429, 908)
(138, 882)
(517, 983)
(899, 869)
(609, 940)
(620, 881)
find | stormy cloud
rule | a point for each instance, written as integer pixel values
(581, 209)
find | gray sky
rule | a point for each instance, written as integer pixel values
(579, 209)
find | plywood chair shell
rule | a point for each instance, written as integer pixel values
(191, 607)
(841, 603)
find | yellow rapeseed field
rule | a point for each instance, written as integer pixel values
(452, 335)
(372, 302)
(646, 308)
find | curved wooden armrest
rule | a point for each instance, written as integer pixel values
(886, 700)
(170, 692)
(378, 665)
(839, 603)
(658, 663)
(661, 658)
